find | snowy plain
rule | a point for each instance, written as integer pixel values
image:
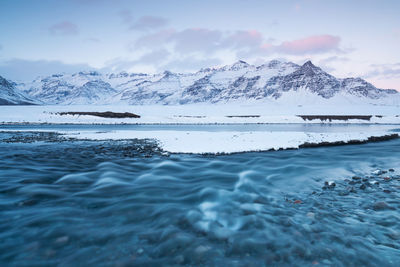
(200, 141)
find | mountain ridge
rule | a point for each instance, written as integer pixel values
(239, 81)
(9, 95)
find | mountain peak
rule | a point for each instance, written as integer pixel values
(167, 74)
(308, 63)
(5, 83)
(240, 64)
(273, 63)
(310, 69)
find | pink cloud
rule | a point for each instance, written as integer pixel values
(245, 43)
(266, 46)
(63, 28)
(311, 45)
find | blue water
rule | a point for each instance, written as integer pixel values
(71, 204)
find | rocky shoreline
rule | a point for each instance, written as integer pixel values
(380, 181)
(124, 148)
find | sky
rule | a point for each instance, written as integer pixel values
(358, 38)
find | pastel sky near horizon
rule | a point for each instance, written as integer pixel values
(358, 38)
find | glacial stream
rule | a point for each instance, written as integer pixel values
(117, 203)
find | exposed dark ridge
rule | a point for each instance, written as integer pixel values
(335, 117)
(352, 142)
(243, 116)
(5, 102)
(107, 114)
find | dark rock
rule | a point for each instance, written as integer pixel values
(107, 114)
(351, 189)
(391, 170)
(330, 184)
(363, 187)
(380, 205)
(354, 182)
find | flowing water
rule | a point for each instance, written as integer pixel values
(92, 203)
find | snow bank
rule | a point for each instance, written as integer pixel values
(226, 142)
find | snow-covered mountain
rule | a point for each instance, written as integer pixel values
(241, 81)
(9, 95)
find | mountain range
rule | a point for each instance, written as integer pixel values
(272, 81)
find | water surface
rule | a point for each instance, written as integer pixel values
(240, 127)
(92, 203)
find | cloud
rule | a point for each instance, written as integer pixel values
(92, 40)
(64, 28)
(157, 39)
(126, 16)
(118, 65)
(384, 71)
(156, 56)
(197, 40)
(242, 39)
(187, 64)
(200, 40)
(186, 41)
(326, 63)
(244, 43)
(149, 23)
(158, 61)
(26, 70)
(310, 45)
(333, 59)
(274, 23)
